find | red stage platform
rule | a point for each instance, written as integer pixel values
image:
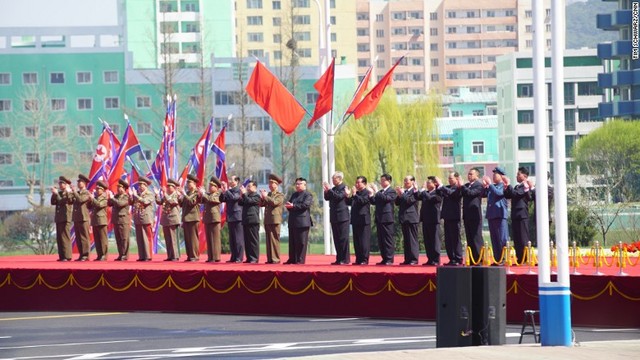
(39, 283)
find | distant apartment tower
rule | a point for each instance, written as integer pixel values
(448, 44)
(622, 63)
(516, 110)
(181, 32)
(289, 30)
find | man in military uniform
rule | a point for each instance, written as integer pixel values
(143, 216)
(170, 218)
(81, 217)
(250, 202)
(61, 198)
(99, 221)
(121, 218)
(191, 218)
(273, 202)
(212, 219)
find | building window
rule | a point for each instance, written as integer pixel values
(32, 158)
(191, 6)
(456, 113)
(86, 156)
(5, 78)
(434, 62)
(85, 130)
(144, 155)
(433, 31)
(190, 27)
(5, 132)
(254, 4)
(433, 47)
(301, 3)
(433, 16)
(276, 5)
(255, 37)
(59, 131)
(380, 63)
(115, 129)
(477, 147)
(277, 55)
(276, 21)
(380, 33)
(29, 78)
(334, 37)
(144, 128)
(526, 143)
(525, 116)
(525, 90)
(58, 104)
(477, 112)
(379, 17)
(59, 157)
(380, 48)
(143, 102)
(5, 105)
(6, 159)
(435, 77)
(85, 104)
(362, 16)
(312, 98)
(83, 77)
(167, 6)
(588, 115)
(589, 88)
(447, 151)
(111, 103)
(302, 20)
(31, 105)
(254, 20)
(57, 78)
(110, 77)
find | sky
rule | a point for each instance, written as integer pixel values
(47, 13)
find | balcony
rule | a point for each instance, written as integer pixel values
(619, 78)
(615, 21)
(626, 109)
(615, 50)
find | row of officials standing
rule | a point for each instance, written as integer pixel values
(181, 207)
(453, 203)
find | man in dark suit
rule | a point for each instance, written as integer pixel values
(230, 195)
(339, 217)
(299, 206)
(190, 203)
(63, 201)
(384, 200)
(472, 212)
(430, 217)
(497, 209)
(170, 218)
(212, 219)
(81, 217)
(121, 218)
(407, 202)
(520, 196)
(250, 202)
(451, 214)
(361, 219)
(273, 202)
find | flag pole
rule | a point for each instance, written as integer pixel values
(126, 117)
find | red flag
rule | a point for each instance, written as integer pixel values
(324, 85)
(369, 103)
(219, 148)
(202, 152)
(269, 93)
(362, 88)
(108, 144)
(129, 146)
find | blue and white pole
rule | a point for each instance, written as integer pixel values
(555, 307)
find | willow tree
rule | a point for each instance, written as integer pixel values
(398, 139)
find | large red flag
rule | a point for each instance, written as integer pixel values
(108, 144)
(269, 93)
(369, 103)
(360, 91)
(129, 146)
(324, 85)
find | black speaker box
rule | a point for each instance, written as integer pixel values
(489, 309)
(454, 307)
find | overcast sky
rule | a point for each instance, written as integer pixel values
(19, 13)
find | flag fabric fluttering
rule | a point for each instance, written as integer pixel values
(272, 96)
(360, 91)
(324, 86)
(202, 153)
(165, 164)
(108, 145)
(219, 148)
(128, 146)
(371, 100)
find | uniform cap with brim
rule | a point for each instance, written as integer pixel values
(215, 181)
(124, 183)
(275, 178)
(103, 185)
(172, 182)
(64, 180)
(499, 170)
(144, 180)
(193, 178)
(83, 178)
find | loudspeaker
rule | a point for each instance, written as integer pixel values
(454, 312)
(489, 293)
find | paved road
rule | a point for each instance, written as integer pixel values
(161, 335)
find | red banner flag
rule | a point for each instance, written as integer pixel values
(370, 102)
(129, 146)
(324, 85)
(360, 91)
(269, 93)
